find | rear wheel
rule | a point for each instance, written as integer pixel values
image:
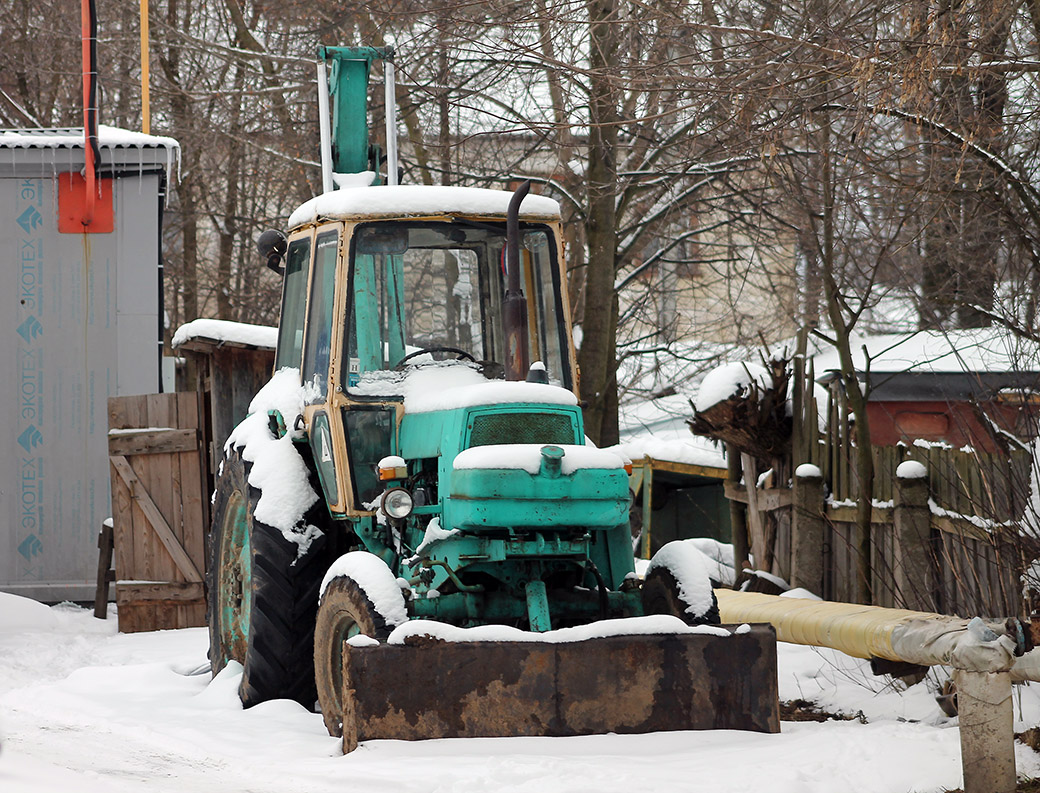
(263, 594)
(346, 610)
(677, 583)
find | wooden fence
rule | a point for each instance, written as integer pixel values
(970, 551)
(160, 510)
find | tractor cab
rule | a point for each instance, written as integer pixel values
(395, 296)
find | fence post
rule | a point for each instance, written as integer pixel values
(807, 528)
(737, 512)
(912, 523)
(987, 731)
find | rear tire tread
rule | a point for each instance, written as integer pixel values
(278, 662)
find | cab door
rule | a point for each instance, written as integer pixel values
(316, 367)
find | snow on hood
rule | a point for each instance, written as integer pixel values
(528, 456)
(278, 470)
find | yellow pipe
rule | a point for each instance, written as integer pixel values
(860, 631)
(981, 659)
(871, 631)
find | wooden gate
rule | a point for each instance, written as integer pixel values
(160, 510)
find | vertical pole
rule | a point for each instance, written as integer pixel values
(89, 129)
(737, 513)
(323, 127)
(648, 486)
(807, 528)
(756, 527)
(986, 716)
(391, 122)
(146, 113)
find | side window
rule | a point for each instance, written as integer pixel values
(294, 293)
(319, 334)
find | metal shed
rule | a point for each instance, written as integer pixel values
(82, 322)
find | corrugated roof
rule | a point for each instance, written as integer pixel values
(72, 138)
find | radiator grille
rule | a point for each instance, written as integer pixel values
(522, 428)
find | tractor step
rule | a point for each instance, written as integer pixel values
(430, 688)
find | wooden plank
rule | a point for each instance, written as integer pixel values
(144, 542)
(767, 499)
(756, 525)
(160, 482)
(687, 468)
(129, 443)
(123, 535)
(158, 522)
(999, 474)
(208, 482)
(957, 527)
(127, 411)
(106, 545)
(207, 346)
(847, 514)
(138, 591)
(193, 494)
(846, 566)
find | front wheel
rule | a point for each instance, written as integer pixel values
(677, 583)
(348, 608)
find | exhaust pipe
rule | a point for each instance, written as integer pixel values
(514, 307)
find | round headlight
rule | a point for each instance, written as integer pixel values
(397, 503)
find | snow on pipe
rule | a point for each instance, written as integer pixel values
(915, 637)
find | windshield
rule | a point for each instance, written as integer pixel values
(432, 291)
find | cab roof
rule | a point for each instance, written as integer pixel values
(418, 201)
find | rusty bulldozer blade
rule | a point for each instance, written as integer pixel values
(622, 684)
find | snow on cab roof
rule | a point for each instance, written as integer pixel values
(418, 201)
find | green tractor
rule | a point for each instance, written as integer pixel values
(419, 453)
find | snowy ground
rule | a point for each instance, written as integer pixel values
(86, 709)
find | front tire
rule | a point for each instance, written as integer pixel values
(347, 609)
(677, 583)
(263, 595)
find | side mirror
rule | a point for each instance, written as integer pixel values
(272, 246)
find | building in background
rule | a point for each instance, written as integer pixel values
(81, 321)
